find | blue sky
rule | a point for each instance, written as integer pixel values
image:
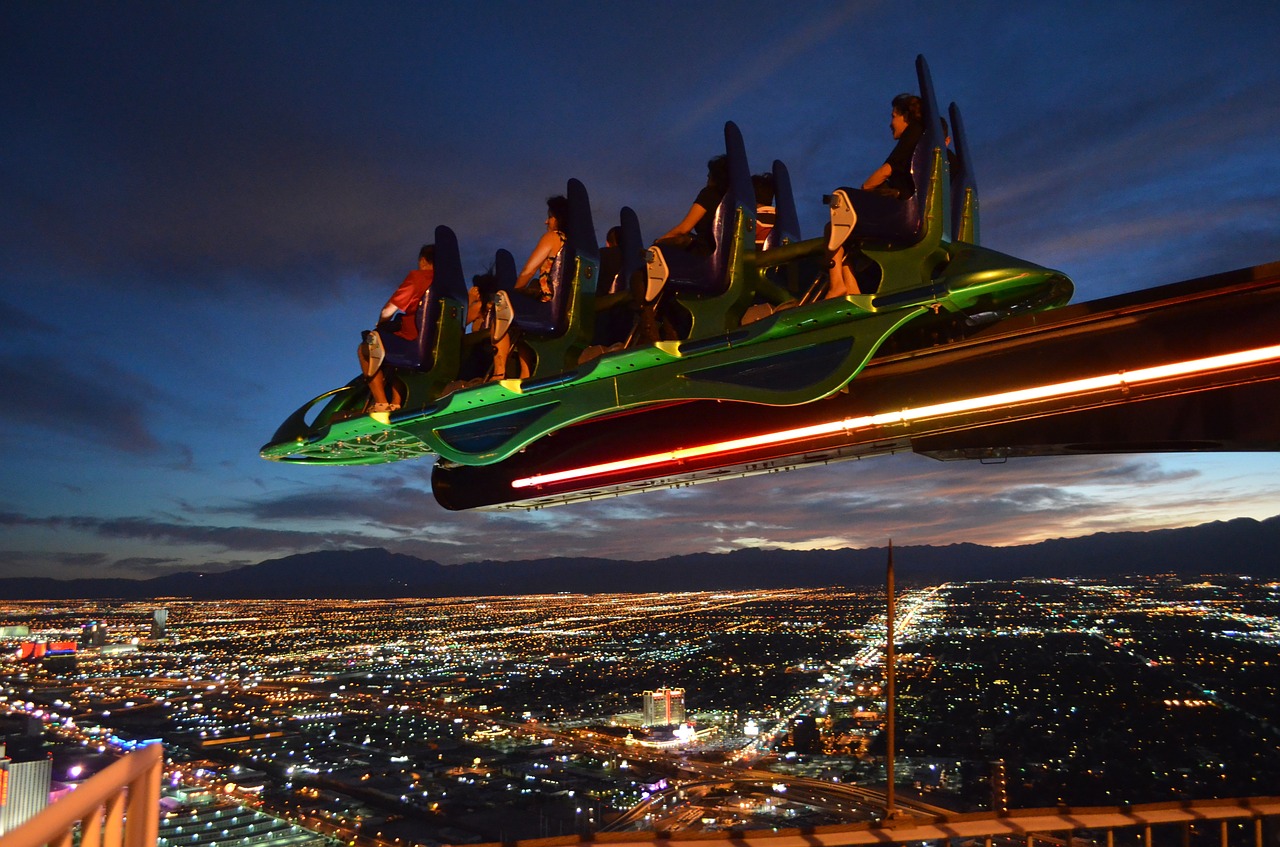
(201, 205)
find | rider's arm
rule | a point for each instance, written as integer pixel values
(547, 244)
(878, 176)
(696, 214)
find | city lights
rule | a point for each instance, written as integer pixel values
(310, 711)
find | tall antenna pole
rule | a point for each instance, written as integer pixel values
(890, 663)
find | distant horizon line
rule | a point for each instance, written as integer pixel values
(459, 573)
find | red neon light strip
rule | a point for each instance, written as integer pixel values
(971, 404)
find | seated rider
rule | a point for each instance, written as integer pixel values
(952, 163)
(685, 246)
(480, 301)
(477, 352)
(534, 281)
(766, 213)
(891, 181)
(610, 259)
(694, 232)
(405, 303)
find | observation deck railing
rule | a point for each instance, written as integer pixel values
(120, 807)
(116, 807)
(1137, 825)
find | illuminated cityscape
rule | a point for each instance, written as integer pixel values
(490, 718)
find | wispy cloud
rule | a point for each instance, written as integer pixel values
(200, 208)
(108, 407)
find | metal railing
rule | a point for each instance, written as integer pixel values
(117, 807)
(1063, 826)
(120, 807)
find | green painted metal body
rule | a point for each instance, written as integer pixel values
(795, 355)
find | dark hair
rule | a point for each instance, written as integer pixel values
(558, 206)
(486, 284)
(614, 234)
(428, 252)
(718, 172)
(910, 107)
(763, 186)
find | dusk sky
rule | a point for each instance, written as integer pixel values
(202, 204)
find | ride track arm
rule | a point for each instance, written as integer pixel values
(757, 364)
(1219, 409)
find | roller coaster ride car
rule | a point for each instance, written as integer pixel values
(797, 352)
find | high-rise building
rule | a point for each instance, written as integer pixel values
(806, 735)
(158, 619)
(664, 707)
(24, 789)
(93, 634)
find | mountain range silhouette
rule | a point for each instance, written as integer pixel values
(1240, 546)
(1243, 546)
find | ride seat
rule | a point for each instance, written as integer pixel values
(888, 218)
(701, 273)
(903, 222)
(709, 275)
(414, 355)
(614, 323)
(448, 284)
(964, 187)
(535, 316)
(786, 223)
(781, 286)
(558, 330)
(553, 318)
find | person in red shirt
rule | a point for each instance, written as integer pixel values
(406, 301)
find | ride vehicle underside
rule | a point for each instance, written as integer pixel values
(751, 329)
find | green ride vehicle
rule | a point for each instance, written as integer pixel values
(751, 330)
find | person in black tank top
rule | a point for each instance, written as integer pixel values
(892, 180)
(694, 232)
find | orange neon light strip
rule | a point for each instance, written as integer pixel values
(970, 404)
